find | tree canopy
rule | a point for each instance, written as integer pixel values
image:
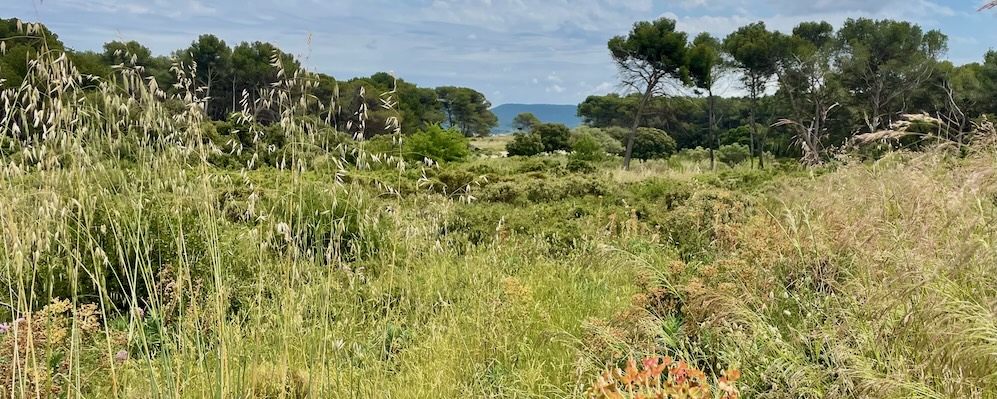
(650, 54)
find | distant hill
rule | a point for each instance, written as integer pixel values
(547, 113)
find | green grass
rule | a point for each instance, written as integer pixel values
(340, 273)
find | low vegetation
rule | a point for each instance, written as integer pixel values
(149, 252)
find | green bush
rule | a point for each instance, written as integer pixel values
(554, 136)
(697, 154)
(694, 226)
(525, 144)
(666, 194)
(610, 145)
(649, 143)
(733, 154)
(435, 143)
(585, 147)
(382, 144)
(540, 165)
(578, 165)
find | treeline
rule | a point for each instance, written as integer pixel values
(234, 80)
(807, 91)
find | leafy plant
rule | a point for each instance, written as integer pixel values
(664, 378)
(733, 154)
(525, 144)
(438, 144)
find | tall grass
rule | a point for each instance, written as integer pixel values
(134, 266)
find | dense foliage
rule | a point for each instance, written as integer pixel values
(831, 85)
(438, 144)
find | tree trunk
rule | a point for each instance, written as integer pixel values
(636, 124)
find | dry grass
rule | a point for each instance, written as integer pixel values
(492, 144)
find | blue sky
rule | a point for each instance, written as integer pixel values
(523, 51)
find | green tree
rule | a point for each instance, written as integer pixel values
(90, 63)
(652, 53)
(253, 69)
(134, 54)
(126, 53)
(988, 82)
(808, 85)
(212, 62)
(554, 136)
(525, 144)
(883, 62)
(608, 110)
(525, 121)
(467, 110)
(23, 42)
(706, 65)
(420, 106)
(754, 50)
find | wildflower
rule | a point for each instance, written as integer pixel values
(139, 313)
(655, 366)
(4, 327)
(631, 375)
(121, 356)
(728, 384)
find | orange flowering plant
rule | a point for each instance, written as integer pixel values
(661, 378)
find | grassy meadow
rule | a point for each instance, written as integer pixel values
(135, 266)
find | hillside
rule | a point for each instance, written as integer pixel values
(548, 113)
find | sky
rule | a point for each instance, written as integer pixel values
(513, 51)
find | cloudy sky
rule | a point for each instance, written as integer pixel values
(525, 51)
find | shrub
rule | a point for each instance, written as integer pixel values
(579, 165)
(666, 193)
(609, 144)
(38, 350)
(733, 154)
(585, 147)
(651, 143)
(697, 154)
(437, 144)
(382, 144)
(525, 144)
(554, 136)
(694, 226)
(618, 133)
(244, 143)
(116, 240)
(540, 165)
